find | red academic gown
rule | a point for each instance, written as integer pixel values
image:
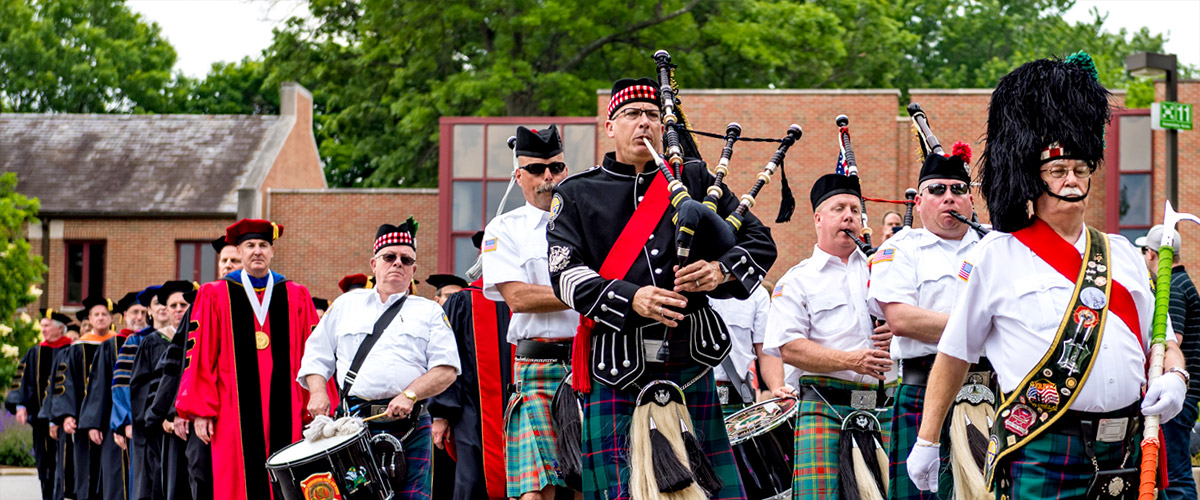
(249, 389)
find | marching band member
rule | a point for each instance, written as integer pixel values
(410, 355)
(914, 281)
(515, 270)
(644, 308)
(820, 324)
(747, 322)
(1063, 310)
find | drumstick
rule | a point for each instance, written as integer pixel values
(373, 417)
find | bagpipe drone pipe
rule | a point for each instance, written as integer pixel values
(930, 145)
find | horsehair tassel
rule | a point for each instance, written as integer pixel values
(794, 133)
(732, 132)
(910, 195)
(930, 143)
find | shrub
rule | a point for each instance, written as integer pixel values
(16, 442)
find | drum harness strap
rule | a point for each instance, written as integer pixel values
(364, 348)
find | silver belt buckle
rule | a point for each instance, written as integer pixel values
(378, 409)
(723, 394)
(863, 400)
(652, 348)
(1112, 430)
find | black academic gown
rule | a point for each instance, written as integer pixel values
(64, 451)
(461, 403)
(96, 412)
(30, 386)
(71, 385)
(143, 385)
(177, 469)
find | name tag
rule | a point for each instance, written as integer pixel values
(1112, 430)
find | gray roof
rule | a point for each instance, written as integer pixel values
(135, 164)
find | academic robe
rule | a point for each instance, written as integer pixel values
(185, 478)
(71, 386)
(96, 412)
(142, 468)
(64, 446)
(474, 404)
(30, 387)
(250, 391)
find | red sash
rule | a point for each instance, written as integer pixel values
(1064, 258)
(491, 393)
(620, 258)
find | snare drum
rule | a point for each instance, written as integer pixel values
(333, 467)
(762, 438)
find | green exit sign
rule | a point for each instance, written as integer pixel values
(1171, 115)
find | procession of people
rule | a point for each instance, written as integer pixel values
(619, 339)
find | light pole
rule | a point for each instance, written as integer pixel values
(1147, 65)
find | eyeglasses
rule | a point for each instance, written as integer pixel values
(390, 258)
(1081, 172)
(632, 114)
(938, 189)
(540, 168)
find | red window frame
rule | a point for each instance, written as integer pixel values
(86, 274)
(197, 260)
(1112, 162)
(446, 177)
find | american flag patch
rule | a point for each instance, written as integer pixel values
(489, 245)
(778, 291)
(885, 255)
(964, 272)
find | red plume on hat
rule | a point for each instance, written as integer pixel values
(962, 150)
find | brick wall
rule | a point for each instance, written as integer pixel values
(1188, 174)
(138, 252)
(329, 233)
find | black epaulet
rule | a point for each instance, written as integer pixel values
(595, 169)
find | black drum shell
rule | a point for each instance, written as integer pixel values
(287, 478)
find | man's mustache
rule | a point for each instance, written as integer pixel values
(547, 187)
(1070, 191)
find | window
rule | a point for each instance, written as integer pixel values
(1135, 196)
(85, 271)
(476, 165)
(195, 261)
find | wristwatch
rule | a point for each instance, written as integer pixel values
(408, 393)
(1187, 378)
(724, 271)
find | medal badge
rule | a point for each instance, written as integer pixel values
(261, 340)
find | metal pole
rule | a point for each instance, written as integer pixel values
(1172, 142)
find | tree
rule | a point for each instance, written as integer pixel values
(19, 270)
(229, 89)
(81, 56)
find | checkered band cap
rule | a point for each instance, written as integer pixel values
(394, 238)
(628, 90)
(1054, 150)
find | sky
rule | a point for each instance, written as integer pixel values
(208, 31)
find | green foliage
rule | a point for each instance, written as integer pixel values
(81, 56)
(19, 270)
(229, 89)
(16, 442)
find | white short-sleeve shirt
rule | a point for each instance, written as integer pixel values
(515, 249)
(747, 322)
(918, 268)
(1013, 303)
(418, 339)
(825, 301)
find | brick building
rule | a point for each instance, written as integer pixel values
(131, 200)
(174, 182)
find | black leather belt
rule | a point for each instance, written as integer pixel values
(854, 398)
(533, 349)
(915, 371)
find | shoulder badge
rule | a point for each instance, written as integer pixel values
(885, 255)
(964, 272)
(778, 292)
(489, 245)
(560, 256)
(556, 205)
(446, 320)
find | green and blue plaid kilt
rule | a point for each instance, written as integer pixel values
(1056, 466)
(418, 455)
(906, 421)
(818, 430)
(607, 414)
(532, 463)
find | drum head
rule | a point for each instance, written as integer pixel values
(303, 449)
(759, 418)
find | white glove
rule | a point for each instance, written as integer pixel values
(1165, 396)
(923, 463)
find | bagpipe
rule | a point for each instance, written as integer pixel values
(1148, 473)
(848, 165)
(930, 145)
(700, 217)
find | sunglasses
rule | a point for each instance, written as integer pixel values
(938, 189)
(540, 168)
(390, 258)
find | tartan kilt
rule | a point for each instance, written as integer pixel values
(607, 415)
(1056, 466)
(818, 431)
(532, 462)
(907, 411)
(418, 456)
